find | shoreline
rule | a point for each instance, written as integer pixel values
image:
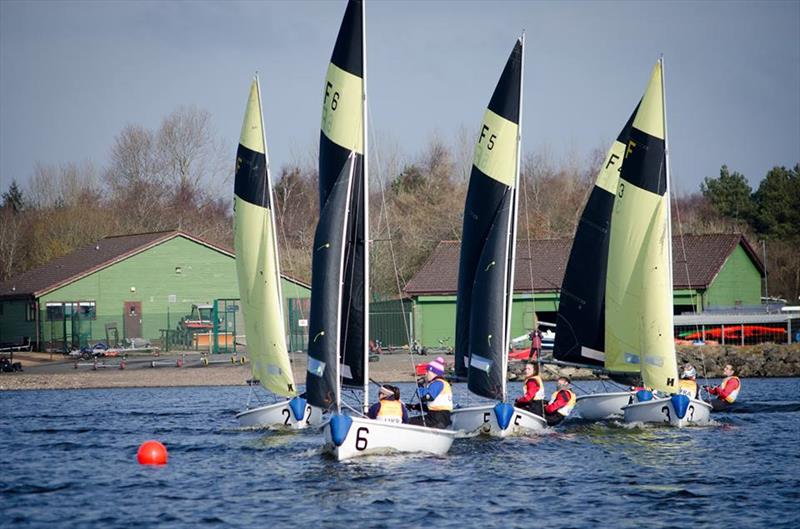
(55, 372)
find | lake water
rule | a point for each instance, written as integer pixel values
(69, 460)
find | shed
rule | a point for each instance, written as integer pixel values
(719, 270)
(139, 284)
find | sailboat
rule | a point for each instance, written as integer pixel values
(486, 265)
(339, 320)
(580, 323)
(258, 273)
(639, 319)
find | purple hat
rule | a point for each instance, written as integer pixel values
(436, 366)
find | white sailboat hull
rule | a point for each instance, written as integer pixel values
(482, 420)
(663, 411)
(281, 416)
(367, 436)
(599, 406)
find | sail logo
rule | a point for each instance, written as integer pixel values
(342, 114)
(490, 142)
(496, 151)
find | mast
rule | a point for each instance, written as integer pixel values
(365, 177)
(669, 176)
(269, 191)
(512, 235)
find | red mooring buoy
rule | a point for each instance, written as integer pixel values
(152, 453)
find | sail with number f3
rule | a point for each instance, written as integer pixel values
(485, 275)
(580, 324)
(639, 322)
(342, 199)
(257, 267)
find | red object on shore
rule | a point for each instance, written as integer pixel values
(152, 453)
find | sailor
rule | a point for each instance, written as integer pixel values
(536, 344)
(436, 398)
(727, 391)
(688, 384)
(561, 403)
(533, 399)
(389, 407)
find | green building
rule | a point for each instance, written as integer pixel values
(720, 270)
(130, 286)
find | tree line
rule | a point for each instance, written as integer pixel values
(180, 176)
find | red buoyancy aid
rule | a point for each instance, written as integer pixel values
(728, 390)
(534, 389)
(562, 402)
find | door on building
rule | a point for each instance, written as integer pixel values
(132, 318)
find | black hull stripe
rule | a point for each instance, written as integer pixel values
(250, 182)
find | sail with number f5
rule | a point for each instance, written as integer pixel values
(485, 275)
(580, 324)
(257, 266)
(639, 321)
(341, 177)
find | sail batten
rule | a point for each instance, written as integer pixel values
(257, 267)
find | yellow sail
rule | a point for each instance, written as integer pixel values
(639, 323)
(257, 267)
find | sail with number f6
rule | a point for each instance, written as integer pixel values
(339, 327)
(258, 274)
(580, 324)
(639, 324)
(486, 265)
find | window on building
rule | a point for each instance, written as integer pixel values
(54, 311)
(87, 310)
(30, 312)
(1, 309)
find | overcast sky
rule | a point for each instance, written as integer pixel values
(73, 74)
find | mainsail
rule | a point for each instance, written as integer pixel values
(485, 276)
(342, 188)
(257, 266)
(639, 322)
(580, 324)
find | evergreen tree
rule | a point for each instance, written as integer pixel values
(13, 198)
(730, 195)
(777, 204)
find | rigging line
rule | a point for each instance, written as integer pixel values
(523, 183)
(689, 283)
(397, 278)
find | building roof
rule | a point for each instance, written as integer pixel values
(541, 263)
(92, 258)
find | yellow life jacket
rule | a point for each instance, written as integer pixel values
(567, 408)
(731, 398)
(390, 411)
(687, 387)
(444, 400)
(540, 392)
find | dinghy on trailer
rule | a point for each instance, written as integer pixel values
(639, 319)
(338, 353)
(258, 274)
(486, 265)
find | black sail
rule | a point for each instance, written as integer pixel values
(327, 270)
(342, 136)
(484, 285)
(580, 324)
